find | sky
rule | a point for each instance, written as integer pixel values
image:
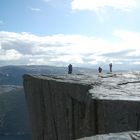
(86, 33)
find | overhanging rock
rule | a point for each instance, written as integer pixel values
(68, 107)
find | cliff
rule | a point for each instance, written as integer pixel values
(67, 107)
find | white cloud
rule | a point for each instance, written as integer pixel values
(129, 40)
(95, 5)
(68, 58)
(9, 55)
(61, 49)
(135, 53)
(34, 9)
(40, 61)
(137, 63)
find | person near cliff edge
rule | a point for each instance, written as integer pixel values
(70, 69)
(110, 67)
(100, 70)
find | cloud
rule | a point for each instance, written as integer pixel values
(135, 53)
(96, 5)
(76, 58)
(9, 55)
(34, 9)
(60, 49)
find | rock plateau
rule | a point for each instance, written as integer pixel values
(67, 107)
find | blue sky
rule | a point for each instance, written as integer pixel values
(87, 33)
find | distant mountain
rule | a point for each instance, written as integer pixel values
(12, 75)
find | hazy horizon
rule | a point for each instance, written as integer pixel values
(75, 67)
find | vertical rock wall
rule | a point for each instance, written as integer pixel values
(118, 116)
(58, 110)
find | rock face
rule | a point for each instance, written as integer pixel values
(68, 107)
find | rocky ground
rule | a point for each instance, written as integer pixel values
(116, 136)
(123, 86)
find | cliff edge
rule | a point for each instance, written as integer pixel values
(68, 107)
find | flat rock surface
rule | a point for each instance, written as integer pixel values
(117, 86)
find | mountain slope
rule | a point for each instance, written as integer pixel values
(13, 111)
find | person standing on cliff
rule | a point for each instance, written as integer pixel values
(70, 69)
(100, 70)
(110, 67)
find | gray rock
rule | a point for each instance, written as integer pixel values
(116, 136)
(67, 107)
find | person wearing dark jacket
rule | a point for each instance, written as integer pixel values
(70, 69)
(110, 67)
(100, 70)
